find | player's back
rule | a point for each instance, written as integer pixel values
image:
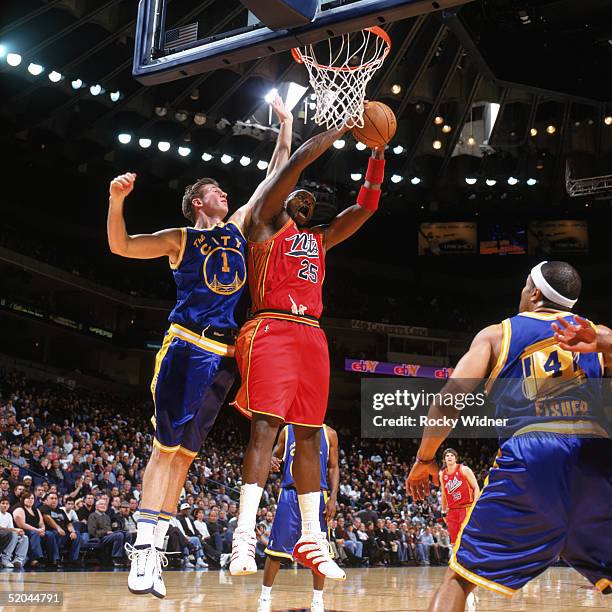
(537, 386)
(286, 272)
(210, 277)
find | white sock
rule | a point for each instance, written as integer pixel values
(266, 592)
(317, 596)
(147, 520)
(309, 509)
(250, 496)
(161, 529)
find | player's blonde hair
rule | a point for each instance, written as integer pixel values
(193, 191)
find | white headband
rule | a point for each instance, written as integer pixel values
(543, 285)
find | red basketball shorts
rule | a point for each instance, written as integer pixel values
(454, 520)
(285, 371)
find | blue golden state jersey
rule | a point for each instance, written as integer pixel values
(210, 275)
(535, 382)
(287, 476)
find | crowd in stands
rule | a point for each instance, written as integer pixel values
(73, 462)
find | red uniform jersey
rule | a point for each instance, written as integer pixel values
(457, 489)
(286, 272)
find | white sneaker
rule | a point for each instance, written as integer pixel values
(187, 564)
(470, 603)
(243, 553)
(201, 563)
(313, 552)
(7, 564)
(317, 606)
(265, 605)
(159, 588)
(143, 568)
(224, 560)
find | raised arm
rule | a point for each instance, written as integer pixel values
(279, 158)
(352, 218)
(269, 202)
(584, 338)
(140, 246)
(279, 451)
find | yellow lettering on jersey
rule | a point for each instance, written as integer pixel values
(238, 243)
(205, 249)
(225, 240)
(199, 240)
(215, 241)
(566, 408)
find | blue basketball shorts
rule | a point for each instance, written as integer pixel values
(547, 497)
(287, 525)
(189, 386)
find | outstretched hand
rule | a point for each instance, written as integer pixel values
(581, 338)
(122, 185)
(417, 483)
(281, 110)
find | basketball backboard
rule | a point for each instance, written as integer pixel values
(172, 45)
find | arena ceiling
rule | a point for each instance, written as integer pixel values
(519, 89)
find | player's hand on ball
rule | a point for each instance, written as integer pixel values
(122, 185)
(281, 110)
(417, 483)
(275, 464)
(581, 338)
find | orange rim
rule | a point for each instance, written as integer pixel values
(377, 30)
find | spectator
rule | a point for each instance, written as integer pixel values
(86, 509)
(99, 527)
(16, 493)
(30, 519)
(18, 544)
(190, 532)
(5, 488)
(127, 522)
(61, 531)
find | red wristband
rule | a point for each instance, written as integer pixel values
(376, 170)
(369, 198)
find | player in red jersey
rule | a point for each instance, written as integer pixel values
(282, 352)
(459, 491)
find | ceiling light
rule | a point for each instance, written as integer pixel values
(184, 151)
(269, 97)
(313, 96)
(262, 165)
(471, 141)
(124, 138)
(360, 146)
(206, 156)
(396, 88)
(491, 182)
(245, 161)
(356, 176)
(531, 182)
(96, 90)
(470, 180)
(76, 84)
(551, 129)
(2, 50)
(200, 118)
(446, 128)
(533, 132)
(55, 77)
(163, 146)
(439, 120)
(294, 95)
(35, 69)
(512, 180)
(145, 143)
(608, 120)
(398, 149)
(415, 180)
(339, 144)
(115, 96)
(226, 159)
(396, 178)
(436, 144)
(13, 59)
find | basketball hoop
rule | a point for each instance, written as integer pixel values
(340, 74)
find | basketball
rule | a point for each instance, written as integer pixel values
(379, 125)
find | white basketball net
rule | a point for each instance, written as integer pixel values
(340, 73)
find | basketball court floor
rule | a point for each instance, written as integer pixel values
(365, 590)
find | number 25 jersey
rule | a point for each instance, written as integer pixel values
(286, 271)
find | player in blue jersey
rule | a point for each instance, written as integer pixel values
(194, 369)
(287, 526)
(548, 493)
